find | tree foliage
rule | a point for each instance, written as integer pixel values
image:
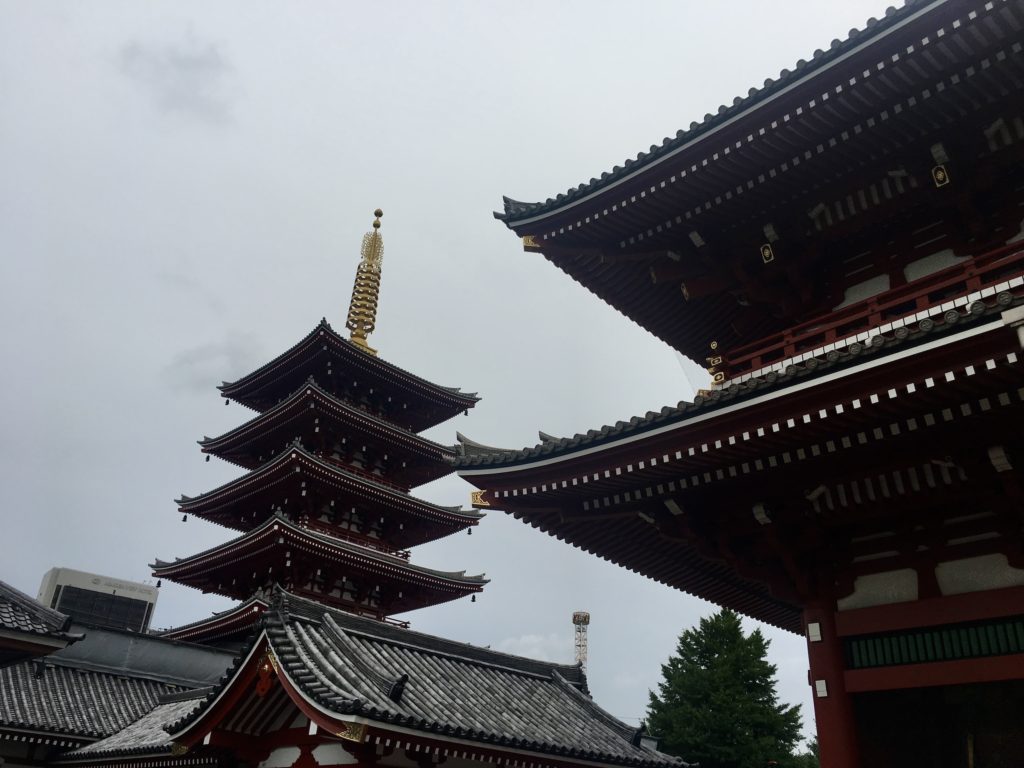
(717, 705)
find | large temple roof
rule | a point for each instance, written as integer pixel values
(516, 212)
(267, 385)
(346, 666)
(28, 628)
(785, 205)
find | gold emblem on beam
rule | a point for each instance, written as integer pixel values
(178, 749)
(352, 732)
(476, 499)
(530, 243)
(940, 175)
(767, 254)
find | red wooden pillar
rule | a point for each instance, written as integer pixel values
(833, 709)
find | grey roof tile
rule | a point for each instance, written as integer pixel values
(64, 700)
(20, 613)
(145, 735)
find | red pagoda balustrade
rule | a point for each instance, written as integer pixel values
(364, 541)
(933, 292)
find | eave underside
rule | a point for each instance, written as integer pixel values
(837, 177)
(766, 510)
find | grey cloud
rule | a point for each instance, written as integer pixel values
(202, 367)
(190, 76)
(192, 288)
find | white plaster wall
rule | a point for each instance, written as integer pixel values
(976, 574)
(881, 589)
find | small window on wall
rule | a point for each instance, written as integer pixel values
(932, 263)
(864, 290)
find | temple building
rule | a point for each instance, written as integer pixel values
(844, 248)
(311, 667)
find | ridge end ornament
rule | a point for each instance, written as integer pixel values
(362, 310)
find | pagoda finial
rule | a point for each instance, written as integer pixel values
(362, 311)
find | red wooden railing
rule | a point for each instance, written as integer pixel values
(946, 285)
(363, 541)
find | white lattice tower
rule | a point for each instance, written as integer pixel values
(581, 620)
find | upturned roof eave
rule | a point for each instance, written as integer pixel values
(519, 216)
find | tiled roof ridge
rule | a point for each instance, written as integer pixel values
(515, 210)
(186, 695)
(323, 325)
(301, 392)
(388, 685)
(730, 394)
(359, 625)
(285, 456)
(47, 621)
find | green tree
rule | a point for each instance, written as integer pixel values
(717, 705)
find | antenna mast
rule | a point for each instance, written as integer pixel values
(581, 620)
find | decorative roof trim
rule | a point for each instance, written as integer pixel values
(745, 404)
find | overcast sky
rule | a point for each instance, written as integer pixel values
(183, 191)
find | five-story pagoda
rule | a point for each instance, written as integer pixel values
(324, 509)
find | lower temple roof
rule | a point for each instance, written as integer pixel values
(345, 665)
(102, 683)
(145, 736)
(29, 628)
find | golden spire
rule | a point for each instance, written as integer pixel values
(362, 311)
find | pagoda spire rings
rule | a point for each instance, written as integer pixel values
(362, 310)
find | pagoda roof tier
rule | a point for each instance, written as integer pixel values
(826, 167)
(347, 370)
(238, 504)
(237, 621)
(280, 549)
(844, 466)
(311, 409)
(372, 683)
